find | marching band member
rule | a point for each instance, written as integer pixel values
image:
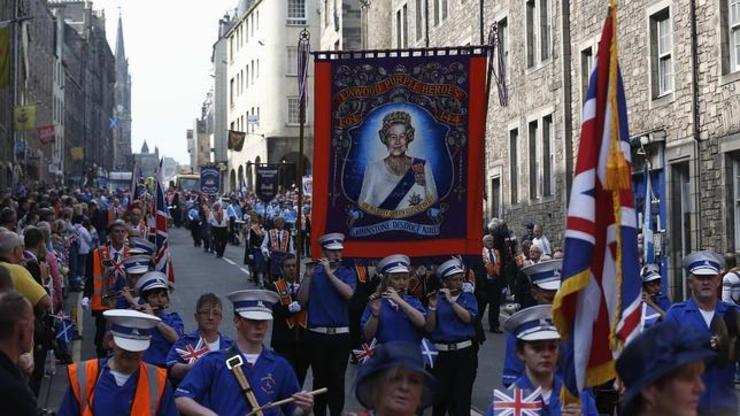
(247, 375)
(544, 281)
(391, 313)
(123, 384)
(490, 287)
(155, 297)
(538, 346)
(276, 244)
(655, 304)
(289, 327)
(451, 324)
(206, 338)
(106, 277)
(705, 313)
(661, 370)
(253, 256)
(326, 293)
(136, 225)
(135, 266)
(393, 382)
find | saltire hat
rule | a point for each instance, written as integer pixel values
(254, 304)
(138, 245)
(449, 268)
(136, 264)
(545, 274)
(532, 324)
(131, 330)
(656, 352)
(392, 355)
(650, 272)
(395, 263)
(332, 241)
(703, 263)
(150, 281)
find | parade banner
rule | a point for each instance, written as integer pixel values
(46, 134)
(267, 182)
(210, 179)
(24, 117)
(398, 150)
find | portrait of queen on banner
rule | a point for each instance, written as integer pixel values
(399, 155)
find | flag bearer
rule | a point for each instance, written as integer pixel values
(326, 293)
(247, 375)
(655, 304)
(123, 384)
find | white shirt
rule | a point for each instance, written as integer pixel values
(120, 378)
(707, 315)
(251, 358)
(85, 239)
(214, 346)
(544, 244)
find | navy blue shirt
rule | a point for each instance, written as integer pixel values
(214, 386)
(111, 400)
(719, 394)
(326, 307)
(450, 328)
(394, 324)
(160, 347)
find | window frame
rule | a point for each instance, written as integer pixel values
(733, 33)
(297, 19)
(661, 55)
(289, 119)
(533, 162)
(513, 140)
(292, 52)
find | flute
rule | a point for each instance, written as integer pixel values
(284, 401)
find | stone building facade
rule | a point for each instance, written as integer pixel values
(681, 80)
(121, 125)
(339, 24)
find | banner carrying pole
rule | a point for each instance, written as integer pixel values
(304, 49)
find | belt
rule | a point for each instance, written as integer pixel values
(330, 331)
(454, 346)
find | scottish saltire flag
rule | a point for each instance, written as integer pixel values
(64, 327)
(428, 352)
(160, 214)
(597, 308)
(517, 404)
(647, 221)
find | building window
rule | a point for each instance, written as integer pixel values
(418, 20)
(437, 7)
(513, 165)
(251, 63)
(292, 61)
(736, 197)
(258, 69)
(326, 13)
(405, 23)
(531, 39)
(399, 35)
(402, 27)
(231, 91)
(336, 45)
(502, 27)
(538, 31)
(730, 12)
(293, 111)
(587, 64)
(533, 162)
(444, 9)
(496, 197)
(258, 20)
(297, 12)
(548, 158)
(662, 47)
(251, 24)
(246, 77)
(544, 29)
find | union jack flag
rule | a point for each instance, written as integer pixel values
(597, 309)
(192, 354)
(365, 352)
(517, 404)
(159, 233)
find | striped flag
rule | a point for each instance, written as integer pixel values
(135, 177)
(160, 215)
(304, 50)
(597, 309)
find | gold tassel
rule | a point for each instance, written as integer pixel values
(617, 170)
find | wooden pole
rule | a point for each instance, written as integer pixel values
(303, 47)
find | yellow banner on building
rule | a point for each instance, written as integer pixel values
(25, 117)
(77, 153)
(5, 57)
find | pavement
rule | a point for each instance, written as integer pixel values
(198, 272)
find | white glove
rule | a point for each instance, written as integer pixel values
(294, 307)
(85, 303)
(468, 287)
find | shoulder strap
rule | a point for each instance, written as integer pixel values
(234, 363)
(157, 379)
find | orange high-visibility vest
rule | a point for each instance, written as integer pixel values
(493, 266)
(149, 388)
(100, 254)
(301, 318)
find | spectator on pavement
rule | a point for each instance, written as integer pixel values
(16, 339)
(541, 240)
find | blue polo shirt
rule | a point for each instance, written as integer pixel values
(326, 307)
(719, 395)
(450, 328)
(160, 347)
(173, 357)
(214, 386)
(394, 324)
(109, 399)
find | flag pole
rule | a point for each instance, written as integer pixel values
(303, 52)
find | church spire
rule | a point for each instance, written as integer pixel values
(120, 51)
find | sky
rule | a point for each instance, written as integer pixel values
(168, 44)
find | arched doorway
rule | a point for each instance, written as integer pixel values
(289, 169)
(241, 178)
(232, 180)
(250, 177)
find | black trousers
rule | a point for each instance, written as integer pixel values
(297, 355)
(490, 295)
(220, 238)
(328, 357)
(195, 232)
(100, 329)
(455, 371)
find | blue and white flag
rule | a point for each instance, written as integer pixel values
(647, 221)
(428, 352)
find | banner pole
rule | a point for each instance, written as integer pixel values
(303, 52)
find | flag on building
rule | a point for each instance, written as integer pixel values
(46, 134)
(236, 140)
(304, 51)
(24, 117)
(77, 153)
(6, 58)
(597, 309)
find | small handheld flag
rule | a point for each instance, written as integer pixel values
(428, 352)
(365, 352)
(517, 404)
(64, 327)
(192, 354)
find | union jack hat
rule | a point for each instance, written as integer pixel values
(254, 304)
(131, 329)
(395, 263)
(703, 263)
